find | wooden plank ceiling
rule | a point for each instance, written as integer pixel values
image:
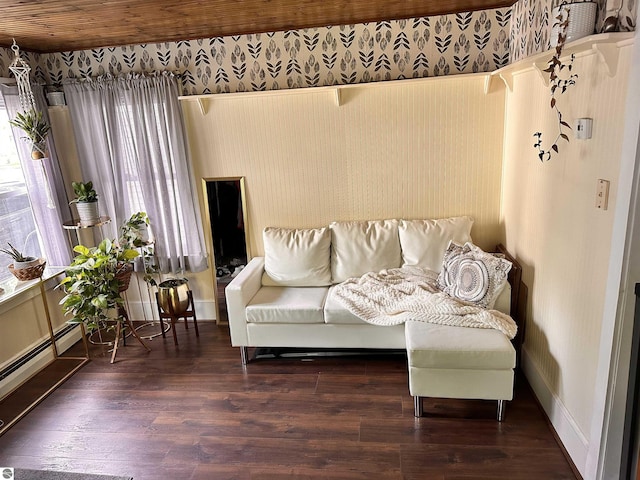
(62, 25)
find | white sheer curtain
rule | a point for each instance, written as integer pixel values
(130, 138)
(49, 212)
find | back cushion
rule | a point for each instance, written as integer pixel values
(424, 242)
(361, 247)
(296, 257)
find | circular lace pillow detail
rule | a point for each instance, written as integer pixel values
(471, 282)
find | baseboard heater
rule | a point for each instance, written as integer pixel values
(34, 352)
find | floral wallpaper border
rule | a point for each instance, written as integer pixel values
(465, 42)
(388, 50)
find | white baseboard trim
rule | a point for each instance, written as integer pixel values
(565, 426)
(145, 311)
(15, 379)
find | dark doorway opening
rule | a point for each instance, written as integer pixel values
(227, 219)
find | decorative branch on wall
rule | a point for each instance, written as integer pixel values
(558, 84)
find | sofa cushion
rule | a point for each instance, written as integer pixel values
(287, 305)
(503, 302)
(472, 275)
(424, 242)
(335, 312)
(444, 346)
(361, 247)
(297, 257)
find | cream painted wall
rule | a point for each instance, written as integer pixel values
(561, 239)
(424, 148)
(23, 322)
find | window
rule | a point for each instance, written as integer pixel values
(131, 144)
(17, 225)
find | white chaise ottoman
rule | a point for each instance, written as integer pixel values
(459, 362)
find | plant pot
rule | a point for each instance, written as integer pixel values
(56, 99)
(142, 233)
(36, 154)
(29, 263)
(88, 212)
(34, 270)
(123, 275)
(582, 20)
(173, 296)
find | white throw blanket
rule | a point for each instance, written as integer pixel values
(393, 296)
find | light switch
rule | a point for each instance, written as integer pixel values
(602, 194)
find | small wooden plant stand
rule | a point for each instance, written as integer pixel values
(122, 313)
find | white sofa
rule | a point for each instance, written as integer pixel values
(285, 299)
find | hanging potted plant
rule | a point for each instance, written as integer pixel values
(86, 202)
(24, 267)
(36, 129)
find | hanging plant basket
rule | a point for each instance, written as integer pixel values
(37, 152)
(123, 275)
(36, 130)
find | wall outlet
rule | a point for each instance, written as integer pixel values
(602, 194)
(584, 128)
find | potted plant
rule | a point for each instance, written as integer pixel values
(135, 231)
(580, 17)
(36, 129)
(95, 281)
(24, 267)
(86, 202)
(173, 296)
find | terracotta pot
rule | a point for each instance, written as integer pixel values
(173, 296)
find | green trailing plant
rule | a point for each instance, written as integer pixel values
(131, 231)
(16, 254)
(92, 284)
(36, 129)
(84, 192)
(559, 85)
(151, 268)
(132, 235)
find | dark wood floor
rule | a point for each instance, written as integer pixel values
(193, 412)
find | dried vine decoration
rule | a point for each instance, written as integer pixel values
(558, 84)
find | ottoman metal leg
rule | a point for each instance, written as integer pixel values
(417, 406)
(500, 410)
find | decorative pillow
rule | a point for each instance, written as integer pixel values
(424, 242)
(297, 258)
(361, 247)
(472, 275)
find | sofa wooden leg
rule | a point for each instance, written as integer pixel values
(500, 410)
(244, 355)
(417, 406)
